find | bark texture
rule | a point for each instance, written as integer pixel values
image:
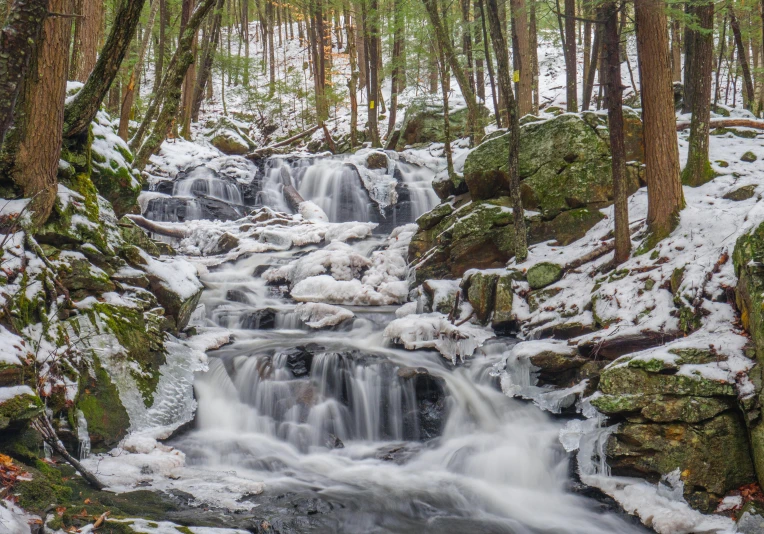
(665, 198)
(82, 109)
(33, 148)
(88, 34)
(18, 42)
(698, 170)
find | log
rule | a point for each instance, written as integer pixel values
(48, 433)
(268, 150)
(611, 348)
(291, 195)
(725, 123)
(156, 228)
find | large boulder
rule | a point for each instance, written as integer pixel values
(230, 137)
(424, 123)
(564, 163)
(671, 421)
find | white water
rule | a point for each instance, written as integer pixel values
(498, 466)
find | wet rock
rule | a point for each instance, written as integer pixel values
(264, 319)
(333, 442)
(172, 209)
(19, 409)
(751, 519)
(431, 408)
(741, 193)
(226, 243)
(481, 294)
(543, 274)
(376, 160)
(299, 361)
(749, 157)
(237, 295)
(712, 456)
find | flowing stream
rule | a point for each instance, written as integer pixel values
(351, 435)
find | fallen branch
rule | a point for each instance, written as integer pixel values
(155, 228)
(596, 253)
(48, 433)
(266, 151)
(725, 123)
(292, 196)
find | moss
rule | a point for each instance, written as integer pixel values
(749, 157)
(100, 403)
(18, 410)
(184, 530)
(622, 380)
(543, 274)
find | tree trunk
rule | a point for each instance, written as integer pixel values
(81, 110)
(676, 51)
(467, 43)
(353, 81)
(698, 170)
(444, 75)
(129, 93)
(33, 146)
(208, 55)
(489, 66)
(722, 43)
(615, 125)
(444, 41)
(373, 44)
(479, 65)
(571, 70)
(244, 36)
(534, 46)
(594, 62)
(664, 188)
(164, 21)
(743, 59)
(513, 121)
(88, 33)
(18, 41)
(396, 83)
(190, 81)
(171, 86)
(522, 57)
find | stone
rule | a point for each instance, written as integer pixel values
(741, 193)
(230, 137)
(434, 216)
(664, 408)
(81, 278)
(423, 123)
(431, 407)
(751, 519)
(132, 234)
(299, 361)
(264, 319)
(481, 294)
(19, 410)
(712, 456)
(567, 227)
(226, 243)
(376, 160)
(543, 274)
(175, 306)
(749, 157)
(555, 180)
(624, 380)
(502, 313)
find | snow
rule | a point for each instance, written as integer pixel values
(435, 331)
(166, 527)
(12, 351)
(175, 274)
(318, 315)
(10, 392)
(13, 520)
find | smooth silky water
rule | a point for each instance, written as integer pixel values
(347, 441)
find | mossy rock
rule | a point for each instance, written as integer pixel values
(136, 236)
(503, 315)
(664, 408)
(423, 123)
(537, 298)
(81, 278)
(629, 380)
(564, 163)
(741, 193)
(434, 216)
(543, 274)
(19, 410)
(230, 137)
(481, 294)
(567, 227)
(749, 157)
(99, 401)
(712, 456)
(376, 160)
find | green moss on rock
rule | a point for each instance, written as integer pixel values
(543, 274)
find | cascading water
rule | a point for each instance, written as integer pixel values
(347, 433)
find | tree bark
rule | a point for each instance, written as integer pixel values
(33, 146)
(129, 93)
(676, 51)
(444, 41)
(88, 33)
(522, 57)
(534, 46)
(80, 112)
(171, 86)
(372, 43)
(489, 66)
(571, 70)
(665, 198)
(208, 55)
(615, 126)
(189, 83)
(742, 59)
(164, 20)
(18, 41)
(467, 43)
(353, 81)
(396, 83)
(479, 65)
(698, 170)
(594, 62)
(513, 121)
